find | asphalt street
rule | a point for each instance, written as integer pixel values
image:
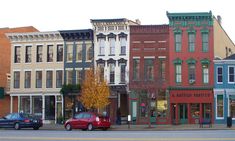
(78, 135)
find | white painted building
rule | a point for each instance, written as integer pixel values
(111, 56)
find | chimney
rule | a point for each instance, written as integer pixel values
(219, 19)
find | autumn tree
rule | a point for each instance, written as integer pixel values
(95, 91)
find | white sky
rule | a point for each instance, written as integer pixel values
(50, 15)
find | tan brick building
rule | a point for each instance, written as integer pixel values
(5, 58)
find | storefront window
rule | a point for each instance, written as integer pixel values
(68, 107)
(207, 111)
(143, 105)
(232, 106)
(161, 104)
(50, 107)
(37, 106)
(220, 106)
(195, 110)
(25, 104)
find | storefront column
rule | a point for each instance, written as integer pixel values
(176, 114)
(56, 109)
(43, 107)
(189, 113)
(31, 104)
(18, 108)
(201, 113)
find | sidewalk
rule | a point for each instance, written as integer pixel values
(147, 128)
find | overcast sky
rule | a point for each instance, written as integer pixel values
(50, 15)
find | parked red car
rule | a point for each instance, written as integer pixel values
(88, 121)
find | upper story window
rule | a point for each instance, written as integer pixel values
(89, 52)
(79, 52)
(101, 72)
(205, 42)
(178, 70)
(191, 42)
(49, 53)
(27, 81)
(16, 79)
(123, 45)
(79, 77)
(69, 52)
(38, 79)
(205, 73)
(231, 74)
(112, 46)
(59, 77)
(178, 42)
(39, 53)
(111, 73)
(59, 53)
(148, 69)
(69, 76)
(136, 69)
(17, 54)
(219, 74)
(28, 54)
(49, 79)
(163, 69)
(101, 46)
(123, 73)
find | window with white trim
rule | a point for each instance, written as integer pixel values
(231, 74)
(219, 74)
(101, 46)
(219, 106)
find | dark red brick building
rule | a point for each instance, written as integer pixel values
(149, 75)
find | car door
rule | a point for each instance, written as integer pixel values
(77, 120)
(85, 120)
(5, 122)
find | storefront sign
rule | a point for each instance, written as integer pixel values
(190, 95)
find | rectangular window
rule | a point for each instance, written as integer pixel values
(101, 72)
(79, 53)
(205, 71)
(148, 69)
(191, 73)
(101, 46)
(178, 42)
(231, 74)
(112, 46)
(38, 79)
(59, 53)
(123, 73)
(16, 79)
(69, 77)
(111, 73)
(136, 69)
(50, 53)
(28, 56)
(89, 52)
(39, 53)
(79, 76)
(220, 106)
(163, 70)
(59, 76)
(17, 54)
(69, 48)
(219, 75)
(49, 79)
(232, 106)
(191, 42)
(27, 79)
(195, 110)
(123, 45)
(205, 42)
(178, 73)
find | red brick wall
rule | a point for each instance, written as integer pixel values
(5, 62)
(5, 105)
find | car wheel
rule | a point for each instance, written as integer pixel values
(90, 127)
(68, 127)
(17, 126)
(35, 128)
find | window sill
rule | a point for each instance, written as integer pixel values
(101, 55)
(111, 54)
(122, 54)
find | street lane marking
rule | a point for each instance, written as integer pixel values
(118, 139)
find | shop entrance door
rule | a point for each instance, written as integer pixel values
(183, 113)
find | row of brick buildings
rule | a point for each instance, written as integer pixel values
(162, 74)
